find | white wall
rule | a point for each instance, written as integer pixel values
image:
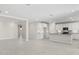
(32, 31)
(8, 30)
(75, 27)
(52, 28)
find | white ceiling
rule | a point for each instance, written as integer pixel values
(37, 11)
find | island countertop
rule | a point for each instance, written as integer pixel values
(65, 38)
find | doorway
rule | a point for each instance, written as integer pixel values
(42, 30)
(22, 31)
(45, 32)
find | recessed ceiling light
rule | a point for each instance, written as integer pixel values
(6, 12)
(71, 18)
(73, 10)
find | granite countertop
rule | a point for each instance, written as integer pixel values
(62, 34)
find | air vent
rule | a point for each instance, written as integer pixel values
(28, 4)
(51, 15)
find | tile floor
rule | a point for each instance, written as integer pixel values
(37, 47)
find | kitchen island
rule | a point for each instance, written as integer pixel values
(63, 38)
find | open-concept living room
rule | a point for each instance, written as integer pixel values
(39, 29)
